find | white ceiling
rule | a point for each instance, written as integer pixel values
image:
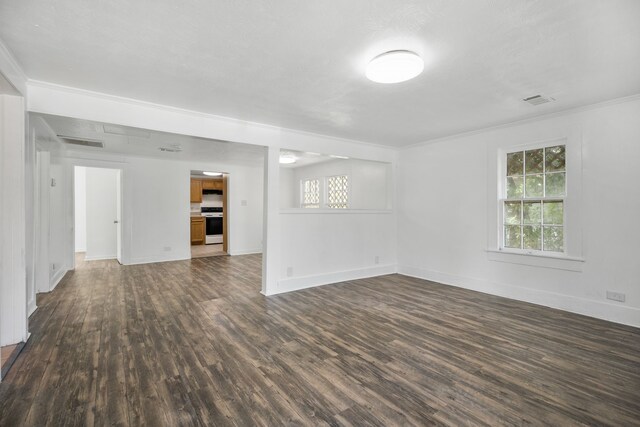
(300, 64)
(127, 141)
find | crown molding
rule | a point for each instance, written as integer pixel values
(11, 70)
(560, 113)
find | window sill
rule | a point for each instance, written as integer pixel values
(559, 262)
(310, 211)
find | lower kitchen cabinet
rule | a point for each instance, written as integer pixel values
(198, 231)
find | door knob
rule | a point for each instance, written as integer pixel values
(116, 221)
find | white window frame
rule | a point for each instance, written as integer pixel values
(502, 199)
(301, 195)
(497, 150)
(326, 191)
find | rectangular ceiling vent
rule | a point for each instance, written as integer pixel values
(81, 141)
(538, 99)
(173, 148)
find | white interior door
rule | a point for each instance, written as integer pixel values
(119, 217)
(102, 213)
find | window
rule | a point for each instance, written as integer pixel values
(310, 193)
(338, 192)
(533, 199)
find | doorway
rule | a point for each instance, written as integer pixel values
(208, 214)
(98, 214)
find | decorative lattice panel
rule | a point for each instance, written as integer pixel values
(338, 192)
(311, 193)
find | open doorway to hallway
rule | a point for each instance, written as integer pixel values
(98, 213)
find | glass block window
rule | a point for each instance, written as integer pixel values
(338, 192)
(310, 193)
(533, 199)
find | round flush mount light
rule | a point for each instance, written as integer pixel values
(212, 173)
(287, 158)
(395, 66)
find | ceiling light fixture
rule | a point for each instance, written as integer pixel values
(287, 158)
(395, 66)
(212, 174)
(333, 156)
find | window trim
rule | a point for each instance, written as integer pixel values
(326, 191)
(572, 257)
(502, 198)
(301, 187)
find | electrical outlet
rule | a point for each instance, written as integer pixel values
(53, 267)
(243, 203)
(377, 259)
(616, 296)
(167, 248)
(289, 271)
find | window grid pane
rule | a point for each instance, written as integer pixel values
(533, 212)
(311, 193)
(338, 192)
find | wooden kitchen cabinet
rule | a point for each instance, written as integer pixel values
(212, 184)
(198, 230)
(196, 191)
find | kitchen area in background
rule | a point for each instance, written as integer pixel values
(208, 214)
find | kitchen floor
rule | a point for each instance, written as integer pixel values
(202, 251)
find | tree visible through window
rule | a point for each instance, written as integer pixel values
(338, 192)
(533, 203)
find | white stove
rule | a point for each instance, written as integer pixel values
(214, 224)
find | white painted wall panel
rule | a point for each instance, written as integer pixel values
(80, 191)
(445, 200)
(320, 248)
(156, 212)
(368, 182)
(13, 285)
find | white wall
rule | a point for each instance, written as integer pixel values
(156, 206)
(447, 196)
(317, 248)
(60, 219)
(80, 189)
(101, 211)
(368, 182)
(288, 189)
(13, 289)
(65, 101)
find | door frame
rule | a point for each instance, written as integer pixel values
(124, 236)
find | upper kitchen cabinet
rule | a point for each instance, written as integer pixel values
(212, 184)
(196, 191)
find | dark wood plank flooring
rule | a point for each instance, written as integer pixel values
(194, 343)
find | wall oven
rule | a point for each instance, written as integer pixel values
(214, 221)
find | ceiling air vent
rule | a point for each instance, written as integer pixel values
(173, 148)
(538, 99)
(82, 141)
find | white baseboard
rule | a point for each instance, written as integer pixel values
(602, 310)
(99, 257)
(31, 309)
(298, 283)
(245, 252)
(157, 258)
(56, 278)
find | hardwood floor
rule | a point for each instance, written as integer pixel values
(194, 343)
(8, 354)
(201, 251)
